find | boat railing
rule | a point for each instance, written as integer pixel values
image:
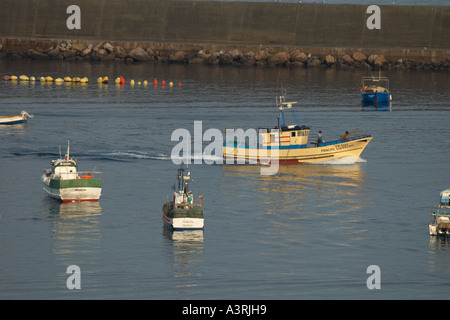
(438, 214)
(188, 204)
(374, 80)
(329, 143)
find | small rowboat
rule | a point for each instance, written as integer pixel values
(19, 118)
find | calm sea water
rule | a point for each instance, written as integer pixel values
(309, 232)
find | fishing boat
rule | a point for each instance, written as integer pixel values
(64, 182)
(375, 89)
(288, 144)
(180, 212)
(15, 119)
(440, 215)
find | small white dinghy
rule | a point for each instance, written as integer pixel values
(18, 118)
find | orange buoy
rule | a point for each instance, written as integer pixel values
(163, 83)
(122, 80)
(179, 84)
(155, 82)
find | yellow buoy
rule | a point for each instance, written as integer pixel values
(100, 80)
(42, 79)
(48, 79)
(105, 79)
(117, 81)
(139, 83)
(13, 78)
(59, 80)
(84, 80)
(132, 82)
(145, 82)
(76, 79)
(32, 78)
(171, 83)
(68, 79)
(24, 78)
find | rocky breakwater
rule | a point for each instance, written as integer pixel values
(211, 55)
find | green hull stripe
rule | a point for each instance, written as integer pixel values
(76, 183)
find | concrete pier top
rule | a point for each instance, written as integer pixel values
(187, 31)
(231, 23)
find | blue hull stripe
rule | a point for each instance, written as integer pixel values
(294, 146)
(13, 122)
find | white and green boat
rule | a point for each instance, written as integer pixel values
(180, 212)
(64, 182)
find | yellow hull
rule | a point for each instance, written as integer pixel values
(286, 155)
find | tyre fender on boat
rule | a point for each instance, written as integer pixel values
(6, 78)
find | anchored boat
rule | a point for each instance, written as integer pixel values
(440, 215)
(18, 118)
(181, 212)
(64, 182)
(375, 89)
(289, 144)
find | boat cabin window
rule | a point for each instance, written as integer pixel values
(272, 138)
(293, 134)
(445, 201)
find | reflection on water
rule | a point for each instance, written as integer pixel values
(325, 189)
(438, 260)
(18, 128)
(308, 199)
(376, 106)
(187, 258)
(76, 230)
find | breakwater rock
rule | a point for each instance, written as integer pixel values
(132, 52)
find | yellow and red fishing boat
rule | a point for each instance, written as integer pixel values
(289, 144)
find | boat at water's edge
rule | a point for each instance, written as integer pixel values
(64, 182)
(440, 216)
(15, 119)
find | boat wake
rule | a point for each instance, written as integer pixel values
(129, 155)
(342, 161)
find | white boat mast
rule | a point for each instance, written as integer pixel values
(68, 148)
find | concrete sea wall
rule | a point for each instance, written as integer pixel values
(214, 32)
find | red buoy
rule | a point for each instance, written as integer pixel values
(163, 83)
(155, 82)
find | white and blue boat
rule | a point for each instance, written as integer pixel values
(15, 119)
(375, 89)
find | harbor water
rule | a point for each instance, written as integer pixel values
(309, 232)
